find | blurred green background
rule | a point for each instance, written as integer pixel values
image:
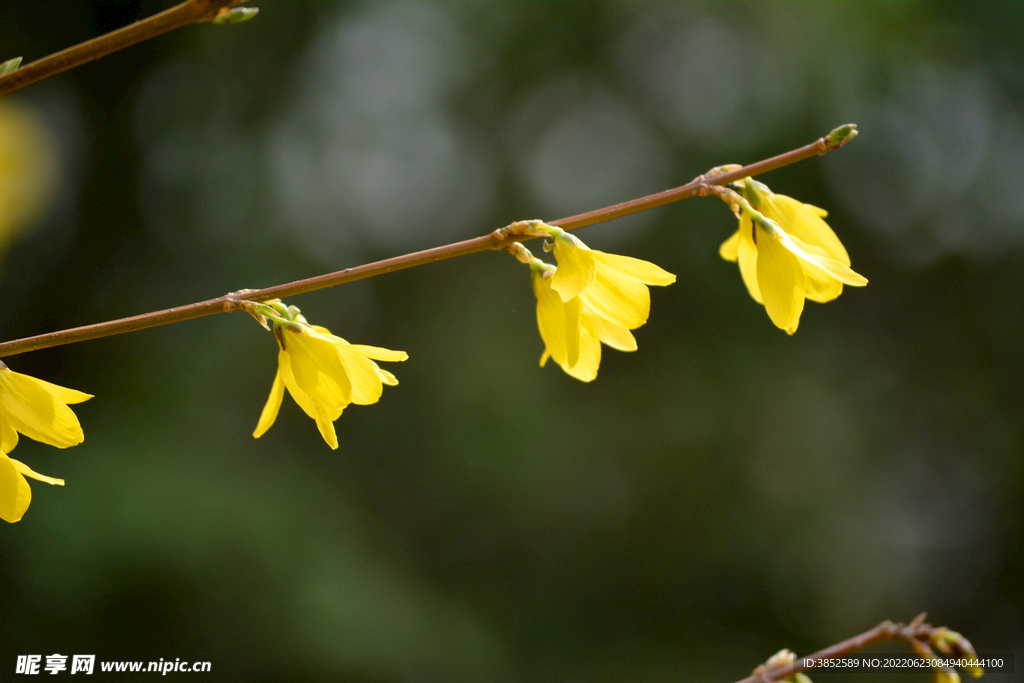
(722, 493)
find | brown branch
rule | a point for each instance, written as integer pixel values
(496, 240)
(917, 635)
(837, 138)
(189, 12)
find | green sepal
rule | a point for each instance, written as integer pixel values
(751, 193)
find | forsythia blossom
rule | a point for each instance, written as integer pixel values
(589, 299)
(323, 373)
(39, 410)
(787, 253)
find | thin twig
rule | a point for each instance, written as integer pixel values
(186, 13)
(498, 239)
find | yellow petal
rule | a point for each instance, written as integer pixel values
(821, 289)
(544, 357)
(819, 286)
(613, 334)
(8, 434)
(62, 393)
(315, 376)
(29, 472)
(386, 377)
(550, 319)
(822, 265)
(15, 495)
(618, 297)
(748, 259)
(803, 222)
(644, 271)
(780, 277)
(37, 413)
(325, 423)
(377, 353)
(273, 405)
(577, 267)
(586, 366)
(362, 373)
(730, 248)
(300, 397)
(374, 352)
(572, 311)
(318, 370)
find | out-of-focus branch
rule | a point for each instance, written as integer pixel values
(189, 12)
(918, 635)
(499, 239)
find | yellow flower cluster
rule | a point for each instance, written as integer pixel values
(785, 250)
(39, 410)
(787, 253)
(589, 299)
(324, 374)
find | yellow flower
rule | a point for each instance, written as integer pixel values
(590, 298)
(37, 409)
(324, 374)
(787, 253)
(28, 168)
(573, 332)
(15, 494)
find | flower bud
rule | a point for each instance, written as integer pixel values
(235, 15)
(10, 65)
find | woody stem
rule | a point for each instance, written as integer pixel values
(916, 635)
(186, 13)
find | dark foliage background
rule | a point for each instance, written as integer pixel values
(723, 493)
